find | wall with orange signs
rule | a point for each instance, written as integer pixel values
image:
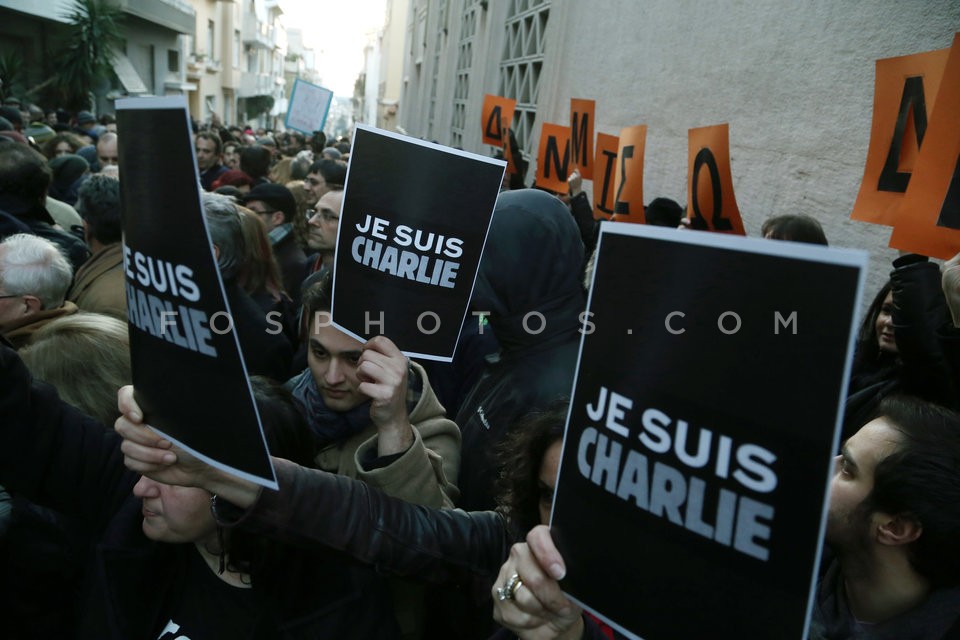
(794, 81)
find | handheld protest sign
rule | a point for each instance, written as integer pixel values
(628, 184)
(414, 221)
(582, 118)
(553, 159)
(904, 93)
(497, 116)
(188, 370)
(309, 106)
(512, 164)
(929, 219)
(704, 419)
(604, 176)
(710, 199)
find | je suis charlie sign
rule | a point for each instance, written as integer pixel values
(414, 221)
(188, 369)
(704, 418)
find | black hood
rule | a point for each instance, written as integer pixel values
(531, 263)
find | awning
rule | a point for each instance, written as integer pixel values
(128, 76)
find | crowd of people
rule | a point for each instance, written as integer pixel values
(414, 496)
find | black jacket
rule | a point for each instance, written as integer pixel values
(928, 362)
(531, 265)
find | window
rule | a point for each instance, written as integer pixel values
(236, 49)
(210, 43)
(522, 62)
(461, 88)
(173, 61)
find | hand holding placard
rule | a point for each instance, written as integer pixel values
(382, 370)
(538, 608)
(951, 286)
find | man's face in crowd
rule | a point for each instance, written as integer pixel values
(271, 217)
(316, 186)
(13, 307)
(323, 224)
(848, 523)
(107, 153)
(332, 357)
(206, 153)
(231, 156)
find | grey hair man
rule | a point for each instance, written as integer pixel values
(34, 278)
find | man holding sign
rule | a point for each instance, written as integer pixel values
(374, 414)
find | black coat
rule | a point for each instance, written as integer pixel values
(928, 362)
(531, 265)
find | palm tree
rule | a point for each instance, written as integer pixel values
(86, 59)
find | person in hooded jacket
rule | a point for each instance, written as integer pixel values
(528, 285)
(906, 343)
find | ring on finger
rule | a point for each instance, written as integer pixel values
(509, 590)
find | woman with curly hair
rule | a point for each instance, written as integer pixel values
(530, 459)
(62, 144)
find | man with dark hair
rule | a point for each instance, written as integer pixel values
(664, 212)
(322, 227)
(324, 175)
(894, 528)
(277, 208)
(207, 146)
(99, 283)
(255, 162)
(24, 180)
(795, 227)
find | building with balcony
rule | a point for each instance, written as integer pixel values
(150, 61)
(260, 94)
(213, 61)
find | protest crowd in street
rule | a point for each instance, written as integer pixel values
(413, 494)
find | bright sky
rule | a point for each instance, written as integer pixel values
(337, 30)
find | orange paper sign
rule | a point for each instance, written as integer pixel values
(903, 98)
(711, 203)
(496, 118)
(604, 176)
(508, 153)
(628, 185)
(553, 160)
(581, 135)
(929, 218)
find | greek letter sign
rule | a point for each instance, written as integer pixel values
(705, 414)
(414, 221)
(188, 370)
(929, 218)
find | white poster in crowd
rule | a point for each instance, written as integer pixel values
(309, 106)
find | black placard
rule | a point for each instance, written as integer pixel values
(750, 341)
(188, 371)
(414, 221)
